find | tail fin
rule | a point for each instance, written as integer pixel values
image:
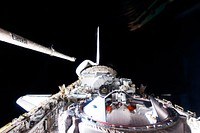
(87, 63)
(98, 48)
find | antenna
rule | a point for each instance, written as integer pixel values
(98, 54)
(23, 42)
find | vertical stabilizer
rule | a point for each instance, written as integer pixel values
(98, 52)
(87, 63)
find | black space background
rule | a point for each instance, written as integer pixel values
(164, 54)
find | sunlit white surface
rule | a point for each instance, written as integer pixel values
(28, 102)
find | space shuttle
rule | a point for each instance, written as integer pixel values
(31, 101)
(99, 101)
